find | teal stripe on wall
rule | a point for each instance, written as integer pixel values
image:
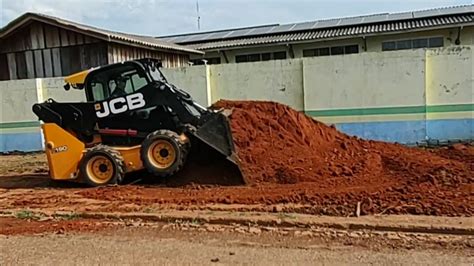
(19, 124)
(393, 110)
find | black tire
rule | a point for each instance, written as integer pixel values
(172, 160)
(102, 165)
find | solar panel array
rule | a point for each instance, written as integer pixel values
(312, 25)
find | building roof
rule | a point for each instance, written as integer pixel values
(107, 35)
(324, 29)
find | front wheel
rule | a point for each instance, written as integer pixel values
(163, 152)
(102, 165)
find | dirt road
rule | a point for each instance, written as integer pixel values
(192, 244)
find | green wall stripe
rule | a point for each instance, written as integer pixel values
(393, 110)
(20, 124)
(450, 108)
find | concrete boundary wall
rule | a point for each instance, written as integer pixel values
(402, 96)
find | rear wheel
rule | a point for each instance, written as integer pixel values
(102, 165)
(163, 153)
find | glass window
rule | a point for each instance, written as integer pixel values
(279, 55)
(436, 42)
(309, 53)
(389, 46)
(213, 60)
(253, 57)
(420, 43)
(323, 51)
(337, 50)
(351, 49)
(98, 92)
(266, 56)
(241, 58)
(405, 44)
(138, 82)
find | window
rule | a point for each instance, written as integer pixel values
(335, 50)
(420, 43)
(413, 44)
(266, 56)
(279, 55)
(351, 49)
(260, 57)
(114, 82)
(253, 57)
(98, 92)
(401, 45)
(389, 46)
(323, 51)
(436, 42)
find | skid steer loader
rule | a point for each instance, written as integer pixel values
(133, 119)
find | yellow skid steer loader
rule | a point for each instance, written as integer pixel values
(133, 119)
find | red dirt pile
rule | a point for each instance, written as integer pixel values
(277, 144)
(280, 145)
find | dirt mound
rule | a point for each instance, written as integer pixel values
(277, 144)
(280, 145)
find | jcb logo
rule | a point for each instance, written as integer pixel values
(120, 105)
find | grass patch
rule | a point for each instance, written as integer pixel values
(28, 215)
(66, 216)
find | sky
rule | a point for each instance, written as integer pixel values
(168, 17)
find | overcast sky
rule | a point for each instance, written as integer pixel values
(164, 17)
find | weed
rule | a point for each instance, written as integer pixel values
(26, 214)
(66, 216)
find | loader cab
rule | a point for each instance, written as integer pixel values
(115, 80)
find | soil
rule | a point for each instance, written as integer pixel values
(293, 164)
(14, 226)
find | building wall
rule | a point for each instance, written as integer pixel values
(279, 80)
(193, 80)
(40, 50)
(400, 96)
(19, 128)
(119, 53)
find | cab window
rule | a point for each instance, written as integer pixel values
(98, 91)
(115, 82)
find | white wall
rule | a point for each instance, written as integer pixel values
(16, 99)
(450, 75)
(278, 80)
(365, 80)
(193, 80)
(53, 88)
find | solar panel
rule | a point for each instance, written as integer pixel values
(326, 23)
(303, 26)
(375, 18)
(400, 16)
(350, 21)
(238, 33)
(275, 28)
(219, 35)
(282, 28)
(260, 30)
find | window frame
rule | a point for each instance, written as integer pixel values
(428, 38)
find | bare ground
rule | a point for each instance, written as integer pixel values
(44, 222)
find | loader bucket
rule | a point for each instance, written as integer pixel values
(216, 146)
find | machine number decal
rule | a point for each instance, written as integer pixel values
(60, 149)
(120, 105)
